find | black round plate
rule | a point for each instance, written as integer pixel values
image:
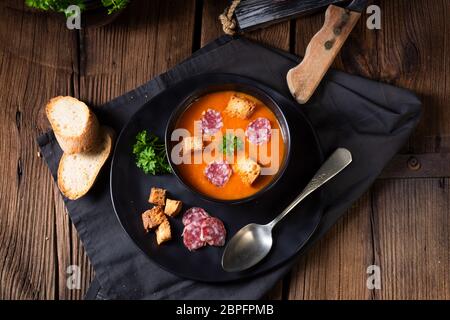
(130, 189)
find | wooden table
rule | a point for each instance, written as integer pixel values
(401, 224)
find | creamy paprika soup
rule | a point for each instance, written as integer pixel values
(235, 186)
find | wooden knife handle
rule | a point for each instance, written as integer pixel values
(321, 52)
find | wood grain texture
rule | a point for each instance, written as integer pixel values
(392, 55)
(409, 51)
(35, 64)
(276, 35)
(73, 63)
(336, 267)
(147, 39)
(426, 165)
(412, 238)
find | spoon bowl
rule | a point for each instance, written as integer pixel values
(247, 247)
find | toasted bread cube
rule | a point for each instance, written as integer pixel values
(239, 107)
(247, 169)
(173, 207)
(153, 218)
(163, 233)
(192, 144)
(157, 196)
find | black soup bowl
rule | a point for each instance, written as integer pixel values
(242, 85)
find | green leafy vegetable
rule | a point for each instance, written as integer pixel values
(114, 5)
(230, 143)
(62, 5)
(55, 5)
(150, 154)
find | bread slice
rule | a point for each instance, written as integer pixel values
(78, 172)
(239, 107)
(247, 169)
(163, 232)
(76, 127)
(157, 196)
(153, 218)
(173, 207)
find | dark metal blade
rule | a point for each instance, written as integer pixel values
(252, 14)
(357, 5)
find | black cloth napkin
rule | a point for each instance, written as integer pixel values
(371, 119)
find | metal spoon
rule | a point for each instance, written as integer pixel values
(254, 241)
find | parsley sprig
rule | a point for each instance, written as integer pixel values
(62, 5)
(150, 154)
(115, 5)
(230, 143)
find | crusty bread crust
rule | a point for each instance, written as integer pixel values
(66, 190)
(240, 107)
(247, 169)
(163, 232)
(86, 140)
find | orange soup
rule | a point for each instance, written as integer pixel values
(234, 188)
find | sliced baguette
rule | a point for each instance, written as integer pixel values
(75, 125)
(78, 172)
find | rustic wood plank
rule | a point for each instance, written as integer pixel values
(276, 35)
(149, 38)
(402, 228)
(336, 267)
(401, 54)
(412, 236)
(409, 51)
(36, 64)
(427, 165)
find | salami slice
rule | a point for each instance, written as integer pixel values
(194, 214)
(258, 131)
(218, 172)
(212, 232)
(191, 236)
(211, 122)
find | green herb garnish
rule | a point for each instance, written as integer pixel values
(62, 5)
(114, 5)
(150, 154)
(230, 143)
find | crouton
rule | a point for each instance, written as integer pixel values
(239, 107)
(173, 207)
(163, 233)
(153, 218)
(247, 169)
(157, 196)
(192, 144)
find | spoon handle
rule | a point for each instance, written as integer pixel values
(340, 159)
